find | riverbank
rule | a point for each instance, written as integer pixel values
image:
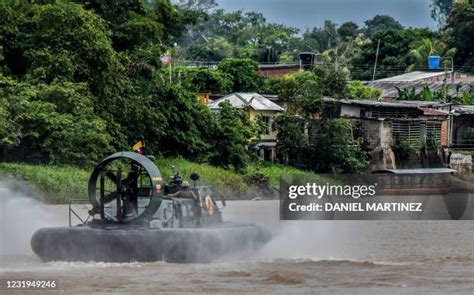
(57, 185)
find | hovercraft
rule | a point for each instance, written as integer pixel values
(136, 216)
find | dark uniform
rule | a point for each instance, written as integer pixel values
(185, 193)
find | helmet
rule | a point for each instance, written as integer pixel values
(185, 184)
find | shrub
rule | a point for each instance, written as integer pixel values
(405, 151)
(335, 151)
(357, 90)
(244, 74)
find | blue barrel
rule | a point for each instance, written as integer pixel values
(433, 62)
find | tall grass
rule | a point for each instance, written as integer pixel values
(55, 184)
(59, 184)
(275, 171)
(226, 182)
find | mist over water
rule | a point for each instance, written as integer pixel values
(20, 216)
(312, 240)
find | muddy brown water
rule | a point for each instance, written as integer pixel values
(311, 257)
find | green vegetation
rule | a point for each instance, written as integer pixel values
(426, 94)
(55, 184)
(469, 136)
(331, 147)
(79, 79)
(242, 72)
(201, 79)
(406, 150)
(59, 184)
(460, 29)
(357, 90)
(440, 10)
(428, 47)
(233, 133)
(381, 23)
(235, 34)
(304, 90)
(394, 57)
(335, 150)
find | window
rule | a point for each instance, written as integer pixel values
(267, 121)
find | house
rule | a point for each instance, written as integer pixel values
(203, 97)
(256, 105)
(435, 80)
(381, 125)
(398, 121)
(277, 70)
(462, 121)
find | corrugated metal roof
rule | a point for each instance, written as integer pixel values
(252, 99)
(434, 112)
(389, 90)
(278, 66)
(413, 76)
(463, 109)
(395, 103)
(418, 171)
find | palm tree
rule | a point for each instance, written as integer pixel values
(426, 48)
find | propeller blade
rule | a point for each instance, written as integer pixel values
(110, 197)
(110, 175)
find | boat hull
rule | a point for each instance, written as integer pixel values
(125, 245)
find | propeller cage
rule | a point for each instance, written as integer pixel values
(125, 188)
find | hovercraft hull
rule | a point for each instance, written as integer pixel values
(125, 245)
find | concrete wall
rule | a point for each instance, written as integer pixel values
(271, 114)
(376, 133)
(462, 163)
(377, 136)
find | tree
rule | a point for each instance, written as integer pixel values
(460, 28)
(330, 148)
(440, 10)
(9, 136)
(348, 30)
(188, 126)
(335, 150)
(333, 82)
(357, 90)
(232, 137)
(214, 49)
(54, 124)
(39, 41)
(381, 23)
(197, 5)
(204, 80)
(427, 47)
(244, 74)
(290, 138)
(393, 54)
(136, 23)
(319, 39)
(59, 50)
(247, 35)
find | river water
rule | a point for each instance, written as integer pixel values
(304, 257)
